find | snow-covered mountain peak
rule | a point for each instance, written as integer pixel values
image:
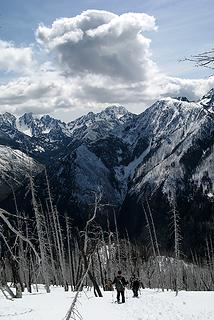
(83, 121)
(174, 106)
(27, 118)
(208, 100)
(164, 117)
(115, 111)
(7, 118)
(97, 125)
(182, 99)
(31, 125)
(23, 125)
(209, 94)
(90, 114)
(46, 118)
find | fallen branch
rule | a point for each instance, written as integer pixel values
(72, 312)
(2, 215)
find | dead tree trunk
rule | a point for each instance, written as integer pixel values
(40, 230)
(117, 241)
(177, 239)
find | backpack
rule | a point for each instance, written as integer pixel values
(119, 284)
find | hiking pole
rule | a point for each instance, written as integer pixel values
(126, 293)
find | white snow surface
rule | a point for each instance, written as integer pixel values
(98, 175)
(14, 158)
(151, 305)
(24, 128)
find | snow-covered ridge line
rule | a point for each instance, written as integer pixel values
(131, 151)
(33, 125)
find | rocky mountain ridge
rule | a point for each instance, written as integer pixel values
(160, 155)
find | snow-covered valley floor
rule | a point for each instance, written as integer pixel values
(151, 305)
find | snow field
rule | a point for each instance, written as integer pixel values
(151, 305)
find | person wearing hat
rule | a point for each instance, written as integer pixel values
(120, 284)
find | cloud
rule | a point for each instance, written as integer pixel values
(15, 59)
(102, 43)
(191, 88)
(94, 59)
(44, 92)
(35, 92)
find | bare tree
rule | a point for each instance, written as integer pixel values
(175, 224)
(72, 312)
(56, 232)
(3, 216)
(204, 59)
(117, 241)
(91, 237)
(40, 224)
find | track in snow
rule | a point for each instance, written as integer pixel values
(151, 305)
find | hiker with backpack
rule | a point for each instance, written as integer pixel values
(120, 284)
(135, 285)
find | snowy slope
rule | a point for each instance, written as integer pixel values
(162, 137)
(151, 305)
(95, 126)
(172, 165)
(98, 176)
(31, 125)
(163, 162)
(14, 167)
(45, 134)
(48, 138)
(155, 134)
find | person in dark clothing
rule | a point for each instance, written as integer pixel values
(135, 285)
(108, 285)
(120, 284)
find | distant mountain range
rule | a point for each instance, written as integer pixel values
(163, 156)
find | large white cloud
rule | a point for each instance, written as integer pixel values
(102, 43)
(16, 59)
(98, 58)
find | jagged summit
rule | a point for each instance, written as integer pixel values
(116, 111)
(27, 117)
(182, 99)
(109, 113)
(52, 134)
(33, 125)
(97, 125)
(7, 118)
(165, 115)
(209, 95)
(208, 101)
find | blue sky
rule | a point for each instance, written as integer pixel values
(184, 28)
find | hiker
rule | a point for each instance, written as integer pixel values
(120, 284)
(108, 285)
(135, 285)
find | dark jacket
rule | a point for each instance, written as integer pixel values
(135, 284)
(120, 283)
